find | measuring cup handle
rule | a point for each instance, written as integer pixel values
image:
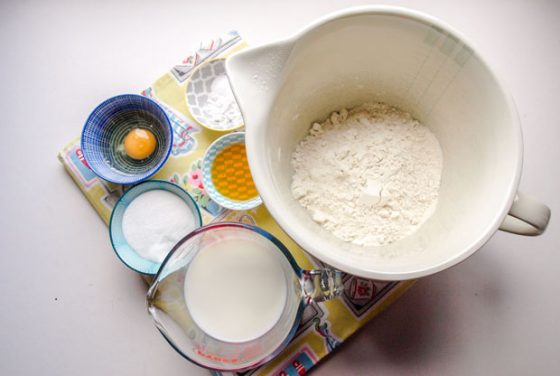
(527, 216)
(322, 284)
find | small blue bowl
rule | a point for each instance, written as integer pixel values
(107, 126)
(123, 250)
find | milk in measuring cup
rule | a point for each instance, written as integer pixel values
(235, 289)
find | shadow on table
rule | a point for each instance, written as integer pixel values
(424, 325)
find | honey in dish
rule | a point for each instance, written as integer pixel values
(231, 175)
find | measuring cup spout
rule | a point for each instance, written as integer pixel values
(255, 76)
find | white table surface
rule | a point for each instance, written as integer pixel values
(70, 308)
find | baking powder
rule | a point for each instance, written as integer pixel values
(221, 105)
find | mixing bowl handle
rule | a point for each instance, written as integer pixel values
(322, 284)
(527, 216)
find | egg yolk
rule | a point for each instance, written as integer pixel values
(139, 143)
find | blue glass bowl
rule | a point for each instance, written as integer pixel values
(126, 253)
(107, 126)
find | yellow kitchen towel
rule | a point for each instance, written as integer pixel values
(324, 326)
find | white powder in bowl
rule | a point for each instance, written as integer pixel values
(370, 175)
(221, 105)
(155, 221)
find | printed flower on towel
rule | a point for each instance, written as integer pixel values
(195, 177)
(193, 181)
(175, 179)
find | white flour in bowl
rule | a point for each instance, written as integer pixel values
(369, 175)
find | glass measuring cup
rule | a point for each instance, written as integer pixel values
(169, 308)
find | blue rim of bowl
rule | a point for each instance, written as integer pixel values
(156, 167)
(209, 157)
(154, 266)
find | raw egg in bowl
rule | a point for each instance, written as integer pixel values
(127, 139)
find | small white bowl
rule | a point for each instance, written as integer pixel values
(210, 99)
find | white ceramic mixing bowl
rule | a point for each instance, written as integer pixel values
(425, 67)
